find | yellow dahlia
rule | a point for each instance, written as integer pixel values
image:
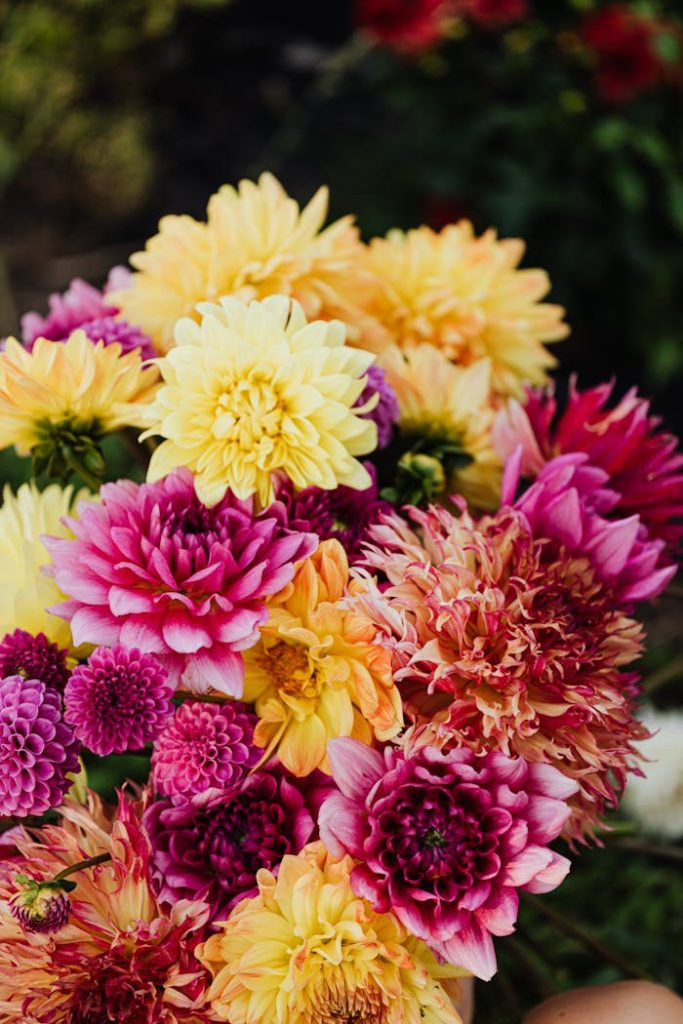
(441, 406)
(315, 673)
(25, 592)
(254, 389)
(255, 242)
(307, 949)
(465, 295)
(78, 386)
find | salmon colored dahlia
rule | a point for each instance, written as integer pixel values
(500, 641)
(118, 957)
(307, 949)
(466, 296)
(316, 672)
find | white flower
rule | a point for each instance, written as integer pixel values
(655, 802)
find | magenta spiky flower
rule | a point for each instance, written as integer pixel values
(151, 567)
(37, 748)
(33, 657)
(385, 412)
(445, 841)
(41, 907)
(205, 747)
(119, 700)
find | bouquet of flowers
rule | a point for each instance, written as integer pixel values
(365, 600)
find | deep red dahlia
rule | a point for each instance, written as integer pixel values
(624, 45)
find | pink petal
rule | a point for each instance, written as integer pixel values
(500, 913)
(218, 668)
(340, 826)
(184, 634)
(526, 865)
(356, 767)
(551, 876)
(472, 949)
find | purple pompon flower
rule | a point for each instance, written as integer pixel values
(205, 747)
(33, 657)
(151, 567)
(86, 307)
(37, 748)
(344, 514)
(119, 700)
(212, 850)
(385, 412)
(41, 907)
(446, 840)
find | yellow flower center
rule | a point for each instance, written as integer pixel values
(291, 669)
(249, 412)
(333, 1002)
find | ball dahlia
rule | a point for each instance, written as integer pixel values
(151, 567)
(119, 700)
(307, 949)
(446, 840)
(204, 747)
(37, 748)
(33, 657)
(502, 642)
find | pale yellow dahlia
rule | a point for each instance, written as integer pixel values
(315, 673)
(256, 242)
(25, 592)
(307, 949)
(253, 390)
(440, 403)
(466, 295)
(76, 385)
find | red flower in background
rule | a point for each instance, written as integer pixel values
(406, 25)
(495, 12)
(625, 47)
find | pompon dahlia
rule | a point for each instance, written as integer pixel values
(466, 296)
(502, 642)
(204, 747)
(92, 310)
(446, 840)
(643, 463)
(120, 957)
(316, 672)
(446, 413)
(118, 701)
(255, 390)
(255, 242)
(37, 748)
(344, 514)
(570, 503)
(211, 849)
(306, 949)
(380, 404)
(25, 591)
(151, 567)
(33, 657)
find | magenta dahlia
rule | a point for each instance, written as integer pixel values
(384, 412)
(151, 567)
(119, 700)
(37, 748)
(643, 463)
(33, 657)
(205, 747)
(86, 307)
(445, 841)
(41, 907)
(211, 850)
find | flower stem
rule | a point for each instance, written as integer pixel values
(90, 862)
(206, 698)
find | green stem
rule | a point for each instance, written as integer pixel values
(652, 850)
(181, 696)
(90, 862)
(666, 674)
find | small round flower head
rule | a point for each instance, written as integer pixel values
(42, 907)
(384, 411)
(120, 700)
(37, 748)
(33, 657)
(203, 747)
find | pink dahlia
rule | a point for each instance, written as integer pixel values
(37, 748)
(33, 657)
(119, 700)
(88, 308)
(151, 567)
(212, 850)
(569, 503)
(205, 747)
(643, 464)
(445, 841)
(502, 641)
(41, 907)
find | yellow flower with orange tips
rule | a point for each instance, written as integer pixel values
(254, 390)
(443, 404)
(307, 949)
(77, 386)
(467, 296)
(315, 673)
(255, 242)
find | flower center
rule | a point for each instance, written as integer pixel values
(249, 412)
(434, 838)
(292, 671)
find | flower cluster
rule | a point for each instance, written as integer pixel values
(368, 625)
